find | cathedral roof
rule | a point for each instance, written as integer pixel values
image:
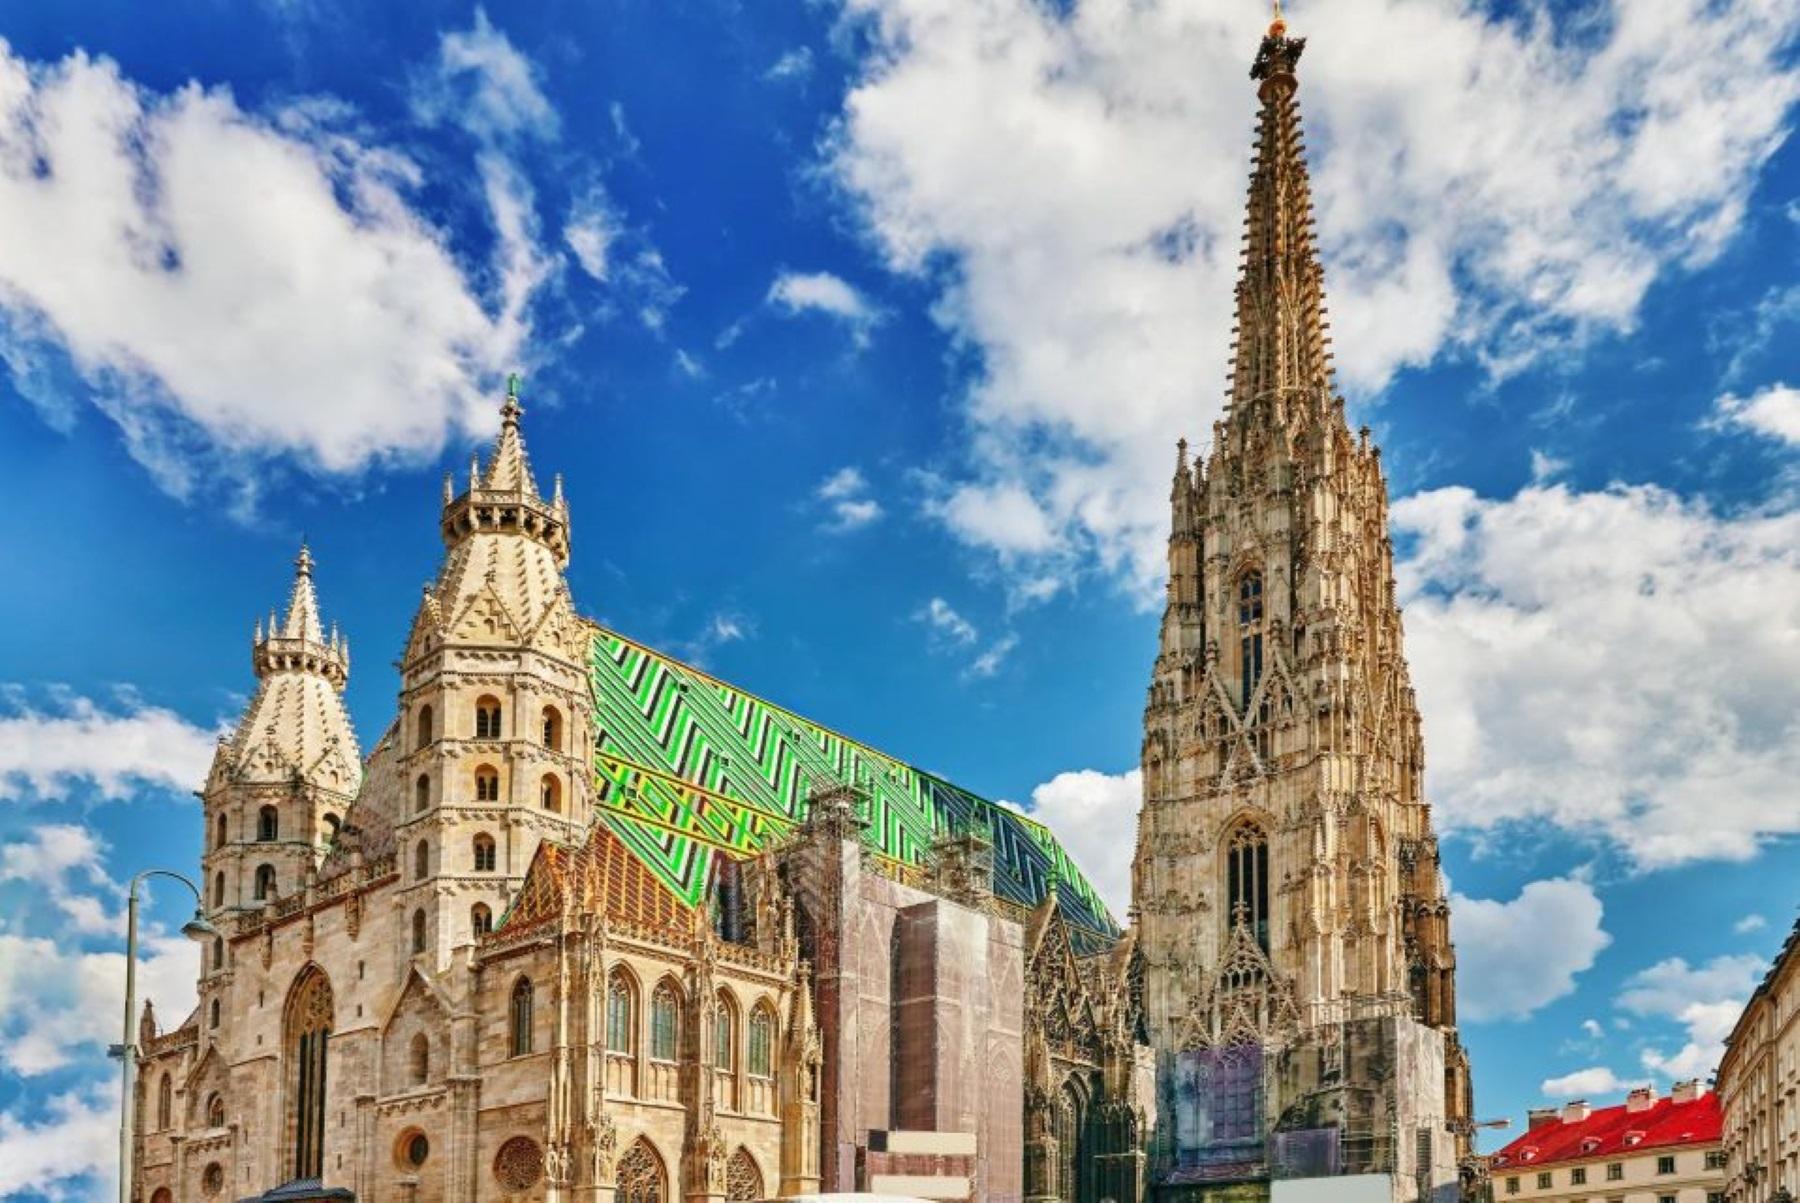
(689, 767)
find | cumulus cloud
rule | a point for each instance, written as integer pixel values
(1773, 412)
(821, 292)
(333, 323)
(115, 751)
(61, 863)
(1088, 810)
(69, 1151)
(1705, 999)
(1594, 1082)
(845, 494)
(1070, 178)
(1505, 967)
(1615, 662)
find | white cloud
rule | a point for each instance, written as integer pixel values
(1506, 969)
(1592, 1083)
(1592, 1029)
(1706, 999)
(992, 656)
(56, 860)
(1748, 924)
(822, 292)
(623, 258)
(591, 230)
(943, 619)
(1615, 662)
(69, 1151)
(796, 64)
(482, 83)
(230, 285)
(1773, 412)
(1004, 517)
(115, 751)
(845, 494)
(1071, 177)
(1088, 810)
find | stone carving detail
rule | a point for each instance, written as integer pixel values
(519, 1164)
(640, 1176)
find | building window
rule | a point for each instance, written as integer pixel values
(306, 1042)
(619, 998)
(219, 889)
(1543, 1180)
(268, 824)
(1247, 874)
(521, 1017)
(425, 731)
(1665, 1199)
(1512, 1186)
(421, 1059)
(1615, 1171)
(484, 854)
(215, 1111)
(481, 919)
(552, 728)
(1578, 1176)
(165, 1101)
(487, 718)
(487, 784)
(265, 883)
(1250, 633)
(1715, 1196)
(421, 794)
(414, 1150)
(665, 1022)
(421, 861)
(218, 953)
(640, 1177)
(762, 1043)
(550, 793)
(418, 932)
(743, 1181)
(219, 833)
(334, 825)
(1715, 1159)
(724, 1034)
(1665, 1165)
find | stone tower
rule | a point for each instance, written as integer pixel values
(1298, 978)
(280, 783)
(494, 729)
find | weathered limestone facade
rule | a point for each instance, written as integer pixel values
(1298, 979)
(1759, 1088)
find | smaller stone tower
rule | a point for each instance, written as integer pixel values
(494, 732)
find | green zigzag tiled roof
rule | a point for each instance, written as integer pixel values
(687, 765)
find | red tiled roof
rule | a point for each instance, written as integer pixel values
(1614, 1132)
(600, 876)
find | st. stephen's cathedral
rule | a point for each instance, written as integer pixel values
(587, 923)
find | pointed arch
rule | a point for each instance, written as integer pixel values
(422, 794)
(1250, 633)
(267, 888)
(743, 1180)
(761, 1051)
(268, 824)
(481, 919)
(1245, 848)
(665, 1021)
(519, 1014)
(553, 729)
(621, 1011)
(725, 1028)
(550, 793)
(418, 931)
(421, 860)
(307, 1025)
(165, 1100)
(640, 1176)
(1070, 1119)
(425, 732)
(487, 717)
(419, 1059)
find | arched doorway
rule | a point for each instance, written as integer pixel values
(305, 1043)
(1072, 1156)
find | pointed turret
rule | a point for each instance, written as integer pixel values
(298, 641)
(1281, 362)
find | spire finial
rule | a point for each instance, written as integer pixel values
(1278, 23)
(510, 408)
(303, 563)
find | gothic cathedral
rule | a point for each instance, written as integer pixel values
(1298, 981)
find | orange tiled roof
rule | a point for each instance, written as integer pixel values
(602, 876)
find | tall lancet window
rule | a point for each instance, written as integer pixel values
(309, 1023)
(1247, 880)
(1250, 633)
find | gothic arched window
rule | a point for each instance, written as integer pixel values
(762, 1042)
(743, 1181)
(487, 784)
(487, 718)
(420, 1059)
(165, 1101)
(421, 860)
(333, 826)
(553, 728)
(265, 883)
(421, 793)
(218, 953)
(268, 824)
(620, 1008)
(212, 1016)
(665, 1022)
(426, 734)
(520, 1013)
(215, 1111)
(550, 792)
(418, 932)
(481, 919)
(1250, 633)
(305, 1046)
(725, 1033)
(484, 853)
(219, 834)
(219, 888)
(1247, 880)
(640, 1176)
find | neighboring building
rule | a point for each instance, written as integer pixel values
(589, 923)
(1299, 984)
(1646, 1150)
(1759, 1088)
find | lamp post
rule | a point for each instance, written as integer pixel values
(196, 929)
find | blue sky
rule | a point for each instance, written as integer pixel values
(861, 331)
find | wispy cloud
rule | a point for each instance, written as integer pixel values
(823, 292)
(794, 65)
(845, 495)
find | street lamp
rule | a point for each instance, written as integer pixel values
(195, 929)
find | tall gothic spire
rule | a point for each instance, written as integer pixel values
(298, 641)
(302, 619)
(503, 497)
(1281, 361)
(509, 468)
